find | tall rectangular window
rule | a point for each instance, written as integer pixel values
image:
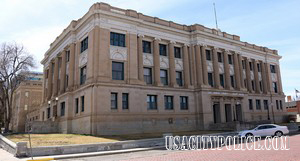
(151, 102)
(244, 64)
(148, 75)
(277, 105)
(274, 84)
(117, 71)
(208, 55)
(67, 55)
(253, 85)
(232, 81)
(146, 47)
(210, 79)
(230, 59)
(117, 39)
(266, 104)
(222, 80)
(258, 67)
(272, 68)
(250, 104)
(84, 44)
(82, 75)
(280, 102)
(114, 101)
(260, 86)
(62, 108)
(48, 112)
(177, 52)
(179, 78)
(250, 65)
(184, 104)
(220, 57)
(67, 81)
(76, 105)
(169, 102)
(125, 100)
(164, 76)
(258, 105)
(163, 49)
(82, 103)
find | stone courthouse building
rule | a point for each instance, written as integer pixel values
(117, 71)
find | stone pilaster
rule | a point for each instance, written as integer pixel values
(241, 73)
(256, 79)
(279, 83)
(140, 58)
(156, 62)
(226, 71)
(186, 69)
(204, 65)
(104, 74)
(192, 65)
(96, 54)
(55, 80)
(172, 65)
(248, 75)
(216, 68)
(63, 73)
(50, 76)
(264, 77)
(268, 76)
(132, 58)
(199, 66)
(71, 67)
(237, 74)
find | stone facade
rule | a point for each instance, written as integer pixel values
(27, 98)
(97, 77)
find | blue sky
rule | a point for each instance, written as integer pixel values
(271, 23)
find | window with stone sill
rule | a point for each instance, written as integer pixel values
(169, 102)
(184, 104)
(84, 44)
(177, 52)
(146, 47)
(220, 57)
(208, 55)
(117, 39)
(162, 49)
(230, 59)
(152, 102)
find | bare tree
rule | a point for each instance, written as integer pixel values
(14, 60)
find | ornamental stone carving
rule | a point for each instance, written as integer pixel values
(164, 62)
(148, 59)
(221, 68)
(231, 70)
(274, 77)
(209, 66)
(178, 64)
(83, 58)
(118, 53)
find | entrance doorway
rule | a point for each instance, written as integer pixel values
(228, 112)
(239, 113)
(216, 111)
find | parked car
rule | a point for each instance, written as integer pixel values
(265, 130)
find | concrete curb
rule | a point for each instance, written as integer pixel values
(69, 156)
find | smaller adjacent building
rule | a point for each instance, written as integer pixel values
(27, 99)
(293, 109)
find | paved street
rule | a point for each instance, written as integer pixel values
(224, 154)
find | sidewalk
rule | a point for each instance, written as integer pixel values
(6, 156)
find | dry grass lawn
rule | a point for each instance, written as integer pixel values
(57, 139)
(68, 139)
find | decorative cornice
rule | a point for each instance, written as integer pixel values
(157, 39)
(141, 35)
(172, 42)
